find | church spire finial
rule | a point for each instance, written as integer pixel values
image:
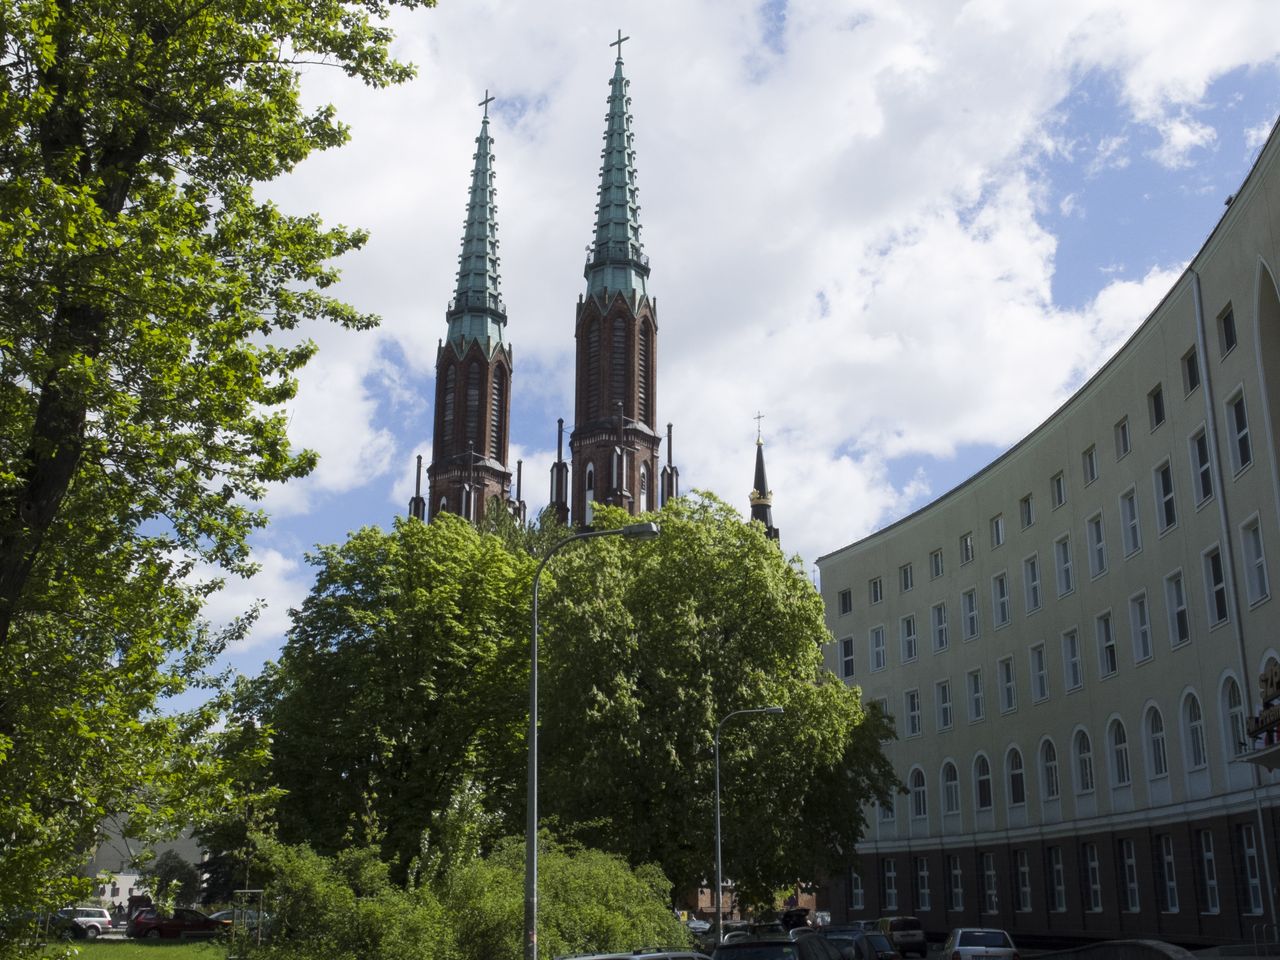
(477, 311)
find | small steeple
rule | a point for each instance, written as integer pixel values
(616, 260)
(477, 311)
(761, 495)
(418, 506)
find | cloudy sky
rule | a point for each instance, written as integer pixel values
(903, 231)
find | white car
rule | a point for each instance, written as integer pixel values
(698, 926)
(95, 920)
(979, 943)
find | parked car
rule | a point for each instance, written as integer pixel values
(778, 948)
(184, 923)
(859, 944)
(94, 920)
(906, 934)
(644, 953)
(698, 926)
(979, 943)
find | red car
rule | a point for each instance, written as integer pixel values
(183, 924)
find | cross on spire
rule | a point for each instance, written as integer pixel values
(618, 43)
(757, 418)
(486, 101)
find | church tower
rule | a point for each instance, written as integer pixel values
(614, 443)
(761, 495)
(473, 364)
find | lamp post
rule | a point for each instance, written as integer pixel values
(719, 881)
(633, 531)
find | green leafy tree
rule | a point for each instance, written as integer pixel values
(647, 648)
(171, 880)
(144, 290)
(401, 694)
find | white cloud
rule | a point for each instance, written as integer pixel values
(282, 581)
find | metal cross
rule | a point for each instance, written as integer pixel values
(486, 101)
(757, 418)
(618, 43)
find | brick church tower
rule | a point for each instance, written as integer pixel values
(473, 367)
(614, 444)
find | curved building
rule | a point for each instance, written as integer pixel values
(1079, 644)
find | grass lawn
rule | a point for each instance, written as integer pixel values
(144, 950)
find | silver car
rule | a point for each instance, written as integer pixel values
(979, 943)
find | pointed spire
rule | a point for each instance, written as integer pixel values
(616, 259)
(418, 506)
(761, 495)
(477, 311)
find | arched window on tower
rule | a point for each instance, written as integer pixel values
(618, 362)
(644, 487)
(589, 495)
(593, 370)
(644, 374)
(473, 404)
(446, 397)
(497, 413)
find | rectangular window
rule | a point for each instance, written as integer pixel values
(1155, 406)
(1215, 586)
(1123, 445)
(857, 900)
(1238, 431)
(1031, 582)
(1024, 881)
(1093, 873)
(1227, 332)
(1058, 878)
(1129, 522)
(1074, 672)
(879, 657)
(1097, 546)
(907, 629)
(977, 704)
(935, 564)
(1026, 511)
(1209, 872)
(923, 902)
(1252, 874)
(969, 607)
(846, 602)
(1168, 875)
(1201, 471)
(939, 626)
(1008, 685)
(955, 890)
(912, 698)
(1166, 510)
(906, 578)
(1190, 370)
(966, 548)
(1062, 553)
(1039, 673)
(942, 700)
(1057, 490)
(888, 812)
(1255, 562)
(997, 530)
(1140, 627)
(876, 588)
(1129, 857)
(990, 897)
(1000, 599)
(1089, 465)
(1175, 599)
(890, 884)
(846, 657)
(1107, 661)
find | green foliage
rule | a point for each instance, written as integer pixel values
(648, 646)
(588, 901)
(171, 880)
(148, 311)
(401, 694)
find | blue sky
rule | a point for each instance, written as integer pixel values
(905, 233)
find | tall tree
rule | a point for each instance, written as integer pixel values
(141, 284)
(400, 693)
(647, 648)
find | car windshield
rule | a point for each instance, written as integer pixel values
(985, 938)
(905, 923)
(879, 942)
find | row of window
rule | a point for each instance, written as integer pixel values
(1178, 614)
(1195, 752)
(1127, 878)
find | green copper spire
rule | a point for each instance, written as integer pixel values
(616, 260)
(477, 311)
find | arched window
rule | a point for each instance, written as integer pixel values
(982, 783)
(1159, 759)
(473, 404)
(1119, 755)
(1017, 778)
(1197, 754)
(446, 397)
(1084, 762)
(950, 788)
(497, 413)
(589, 497)
(919, 797)
(593, 370)
(642, 370)
(618, 362)
(644, 487)
(1049, 770)
(1233, 721)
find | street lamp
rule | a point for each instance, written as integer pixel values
(634, 531)
(719, 882)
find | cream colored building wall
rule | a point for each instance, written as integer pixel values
(1230, 274)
